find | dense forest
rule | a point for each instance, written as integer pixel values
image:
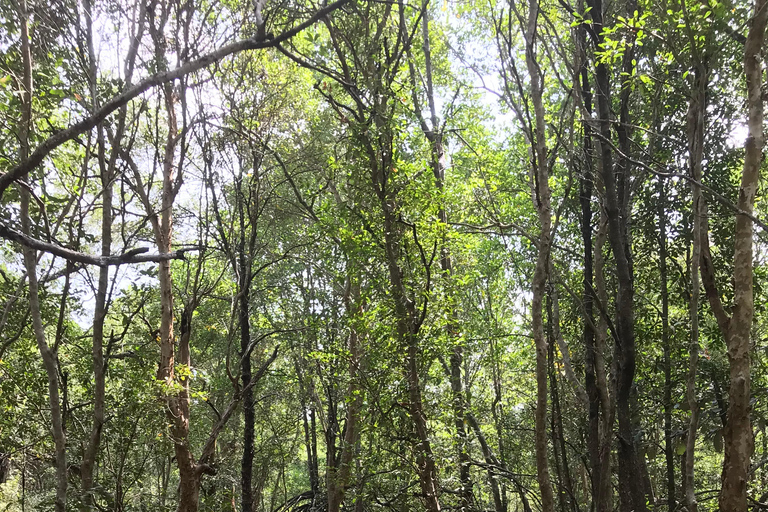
(377, 255)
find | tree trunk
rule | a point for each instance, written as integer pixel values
(490, 461)
(249, 417)
(541, 199)
(738, 438)
(339, 479)
(669, 449)
(48, 355)
(566, 495)
(176, 402)
(606, 392)
(407, 333)
(696, 112)
(593, 360)
(107, 171)
(616, 202)
(308, 420)
(432, 132)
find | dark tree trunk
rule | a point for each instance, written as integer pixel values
(669, 448)
(407, 332)
(616, 203)
(249, 420)
(567, 496)
(586, 187)
(433, 133)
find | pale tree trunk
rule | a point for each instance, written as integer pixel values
(100, 307)
(107, 172)
(696, 111)
(47, 354)
(176, 402)
(542, 202)
(736, 328)
(738, 439)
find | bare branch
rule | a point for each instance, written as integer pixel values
(132, 256)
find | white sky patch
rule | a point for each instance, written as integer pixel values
(738, 136)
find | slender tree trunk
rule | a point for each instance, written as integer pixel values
(541, 199)
(308, 420)
(339, 480)
(606, 392)
(497, 410)
(407, 332)
(176, 402)
(696, 112)
(669, 449)
(566, 496)
(491, 462)
(48, 355)
(631, 493)
(107, 172)
(249, 417)
(434, 135)
(407, 327)
(592, 358)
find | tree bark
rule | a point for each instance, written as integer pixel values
(176, 392)
(47, 354)
(606, 392)
(696, 113)
(669, 449)
(738, 438)
(566, 495)
(490, 461)
(407, 333)
(616, 202)
(107, 172)
(594, 329)
(339, 479)
(249, 416)
(542, 202)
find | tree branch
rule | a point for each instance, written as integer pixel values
(132, 256)
(57, 139)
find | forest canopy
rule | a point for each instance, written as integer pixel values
(372, 255)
